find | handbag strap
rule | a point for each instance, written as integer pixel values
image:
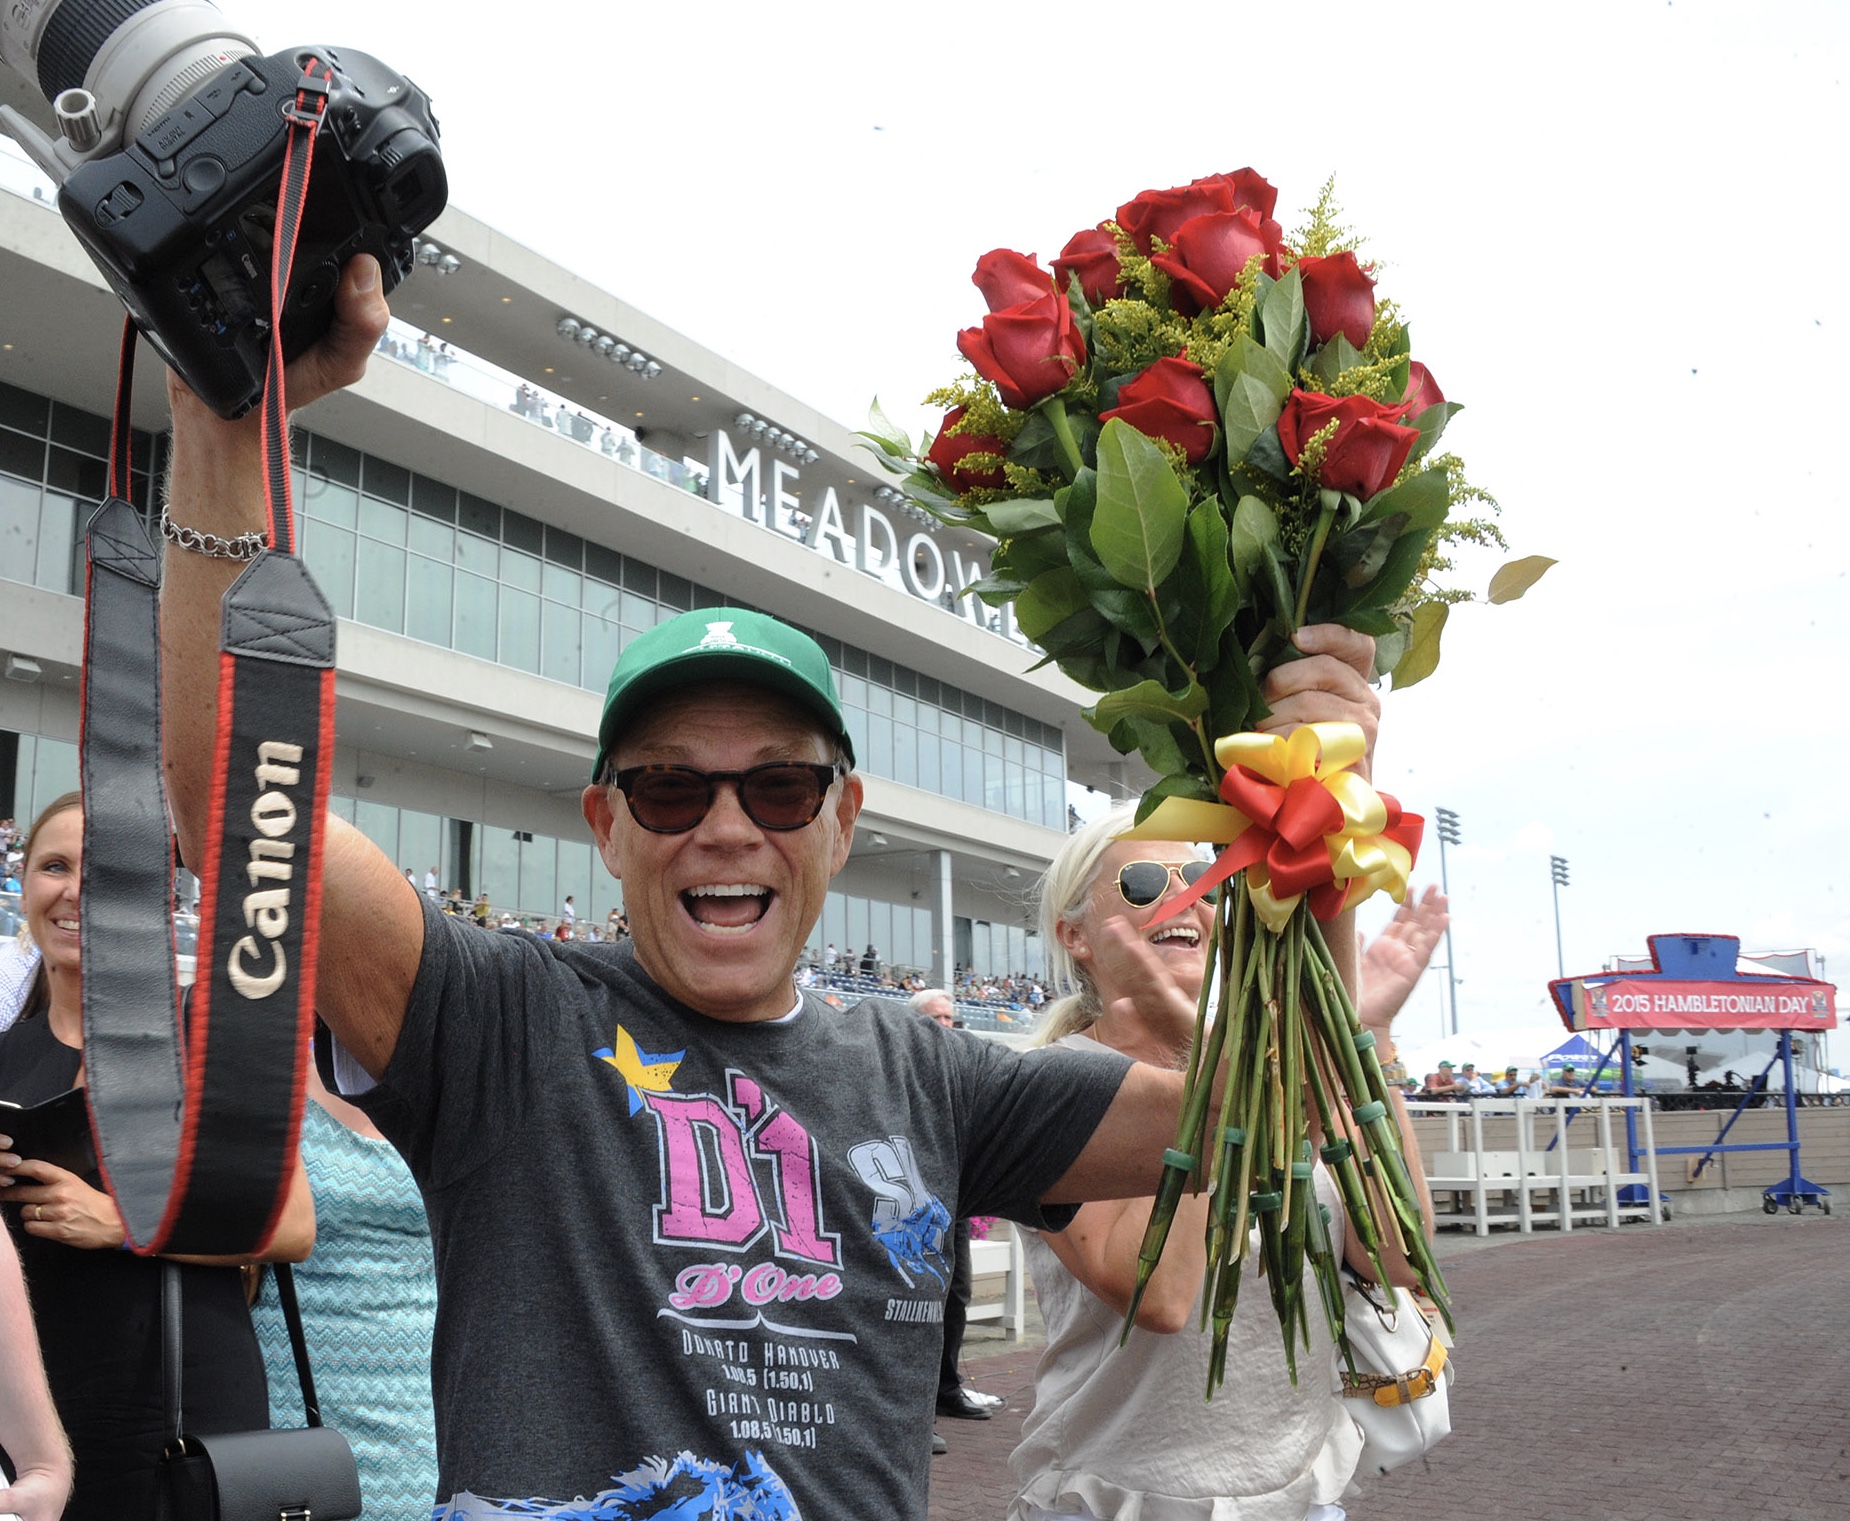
(298, 1343)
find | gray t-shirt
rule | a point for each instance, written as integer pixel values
(683, 1258)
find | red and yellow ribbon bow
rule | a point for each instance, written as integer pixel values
(1296, 820)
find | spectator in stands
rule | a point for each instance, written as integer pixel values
(1474, 1085)
(1443, 1084)
(431, 890)
(1568, 1085)
(870, 961)
(1536, 1087)
(1510, 1085)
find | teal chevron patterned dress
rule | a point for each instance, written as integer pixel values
(368, 1296)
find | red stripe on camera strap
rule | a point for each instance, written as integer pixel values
(198, 1117)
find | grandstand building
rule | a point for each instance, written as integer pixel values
(531, 473)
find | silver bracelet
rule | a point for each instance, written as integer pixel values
(246, 546)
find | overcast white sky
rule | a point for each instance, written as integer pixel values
(1617, 228)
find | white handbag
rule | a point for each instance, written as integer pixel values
(1397, 1395)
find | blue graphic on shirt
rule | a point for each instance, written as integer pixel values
(685, 1488)
(911, 1238)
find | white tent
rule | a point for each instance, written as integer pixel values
(1491, 1049)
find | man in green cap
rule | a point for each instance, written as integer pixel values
(691, 1224)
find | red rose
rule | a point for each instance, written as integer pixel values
(1369, 445)
(1171, 401)
(1208, 254)
(1159, 213)
(1248, 189)
(1093, 256)
(1422, 390)
(1007, 278)
(949, 450)
(1029, 350)
(1338, 298)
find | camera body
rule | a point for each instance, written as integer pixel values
(169, 166)
(179, 218)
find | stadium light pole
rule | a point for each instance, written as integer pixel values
(1557, 871)
(1448, 835)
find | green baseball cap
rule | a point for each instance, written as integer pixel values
(719, 644)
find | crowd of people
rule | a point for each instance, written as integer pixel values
(693, 1229)
(1448, 1082)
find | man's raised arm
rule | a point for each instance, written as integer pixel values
(372, 930)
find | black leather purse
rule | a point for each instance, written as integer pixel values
(300, 1475)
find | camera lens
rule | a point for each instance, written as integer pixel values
(137, 57)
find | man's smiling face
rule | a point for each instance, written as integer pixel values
(720, 913)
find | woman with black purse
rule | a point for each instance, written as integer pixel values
(97, 1304)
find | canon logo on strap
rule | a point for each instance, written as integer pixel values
(266, 909)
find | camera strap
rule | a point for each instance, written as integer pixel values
(197, 1104)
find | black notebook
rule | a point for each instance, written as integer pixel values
(56, 1131)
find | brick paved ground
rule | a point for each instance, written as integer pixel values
(1640, 1375)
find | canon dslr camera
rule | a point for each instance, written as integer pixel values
(169, 165)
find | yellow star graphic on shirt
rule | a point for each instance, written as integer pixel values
(644, 1071)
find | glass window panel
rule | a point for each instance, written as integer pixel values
(478, 555)
(522, 532)
(23, 410)
(336, 461)
(427, 601)
(879, 699)
(880, 929)
(1015, 796)
(995, 795)
(992, 743)
(926, 717)
(854, 661)
(329, 553)
(539, 895)
(601, 648)
(81, 430)
(521, 570)
(478, 515)
(606, 894)
(499, 876)
(906, 754)
(57, 535)
(379, 598)
(564, 548)
(520, 629)
(433, 499)
(835, 920)
(420, 843)
(381, 520)
(639, 576)
(429, 537)
(973, 775)
(78, 474)
(878, 757)
(1053, 803)
(389, 482)
(950, 768)
(341, 807)
(22, 456)
(638, 611)
(379, 823)
(854, 691)
(19, 529)
(928, 762)
(560, 584)
(1011, 749)
(905, 710)
(330, 500)
(605, 564)
(559, 643)
(677, 592)
(575, 868)
(923, 946)
(475, 616)
(857, 929)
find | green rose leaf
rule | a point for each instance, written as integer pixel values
(1183, 784)
(1254, 528)
(1431, 423)
(885, 434)
(1423, 497)
(1049, 600)
(1388, 650)
(1333, 358)
(1142, 513)
(1422, 656)
(1027, 555)
(1210, 599)
(1515, 578)
(997, 589)
(1150, 701)
(1022, 515)
(1287, 328)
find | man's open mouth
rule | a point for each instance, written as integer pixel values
(726, 908)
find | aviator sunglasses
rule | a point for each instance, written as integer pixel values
(779, 795)
(1141, 883)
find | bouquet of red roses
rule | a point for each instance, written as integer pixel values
(1191, 438)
